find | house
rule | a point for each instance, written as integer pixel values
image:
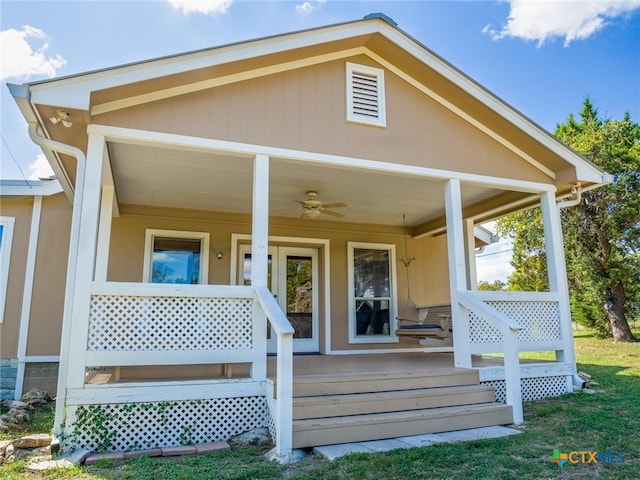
(237, 207)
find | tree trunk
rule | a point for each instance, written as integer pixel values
(615, 312)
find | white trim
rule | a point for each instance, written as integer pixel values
(27, 292)
(393, 294)
(462, 114)
(492, 102)
(527, 370)
(126, 392)
(380, 118)
(6, 241)
(224, 80)
(27, 188)
(392, 350)
(42, 358)
(151, 233)
(158, 139)
(104, 232)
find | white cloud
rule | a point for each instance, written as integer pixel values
(21, 59)
(307, 7)
(201, 6)
(40, 168)
(569, 19)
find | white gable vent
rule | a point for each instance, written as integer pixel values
(365, 95)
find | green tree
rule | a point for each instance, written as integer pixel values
(496, 285)
(602, 233)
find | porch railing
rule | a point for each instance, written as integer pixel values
(137, 324)
(508, 323)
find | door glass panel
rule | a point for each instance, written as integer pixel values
(246, 278)
(300, 295)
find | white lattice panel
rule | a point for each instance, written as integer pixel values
(540, 321)
(122, 427)
(140, 323)
(532, 388)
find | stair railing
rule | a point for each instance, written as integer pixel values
(283, 412)
(509, 329)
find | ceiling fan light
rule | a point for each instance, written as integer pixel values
(311, 213)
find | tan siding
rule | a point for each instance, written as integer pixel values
(428, 273)
(47, 307)
(304, 110)
(21, 210)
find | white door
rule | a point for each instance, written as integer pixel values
(293, 280)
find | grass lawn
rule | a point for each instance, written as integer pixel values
(608, 421)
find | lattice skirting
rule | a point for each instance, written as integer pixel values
(532, 388)
(139, 426)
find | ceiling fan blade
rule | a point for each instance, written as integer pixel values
(334, 205)
(332, 213)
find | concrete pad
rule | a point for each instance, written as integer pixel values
(295, 456)
(336, 451)
(96, 457)
(476, 434)
(384, 445)
(420, 440)
(77, 456)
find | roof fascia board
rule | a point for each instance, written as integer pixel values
(29, 188)
(455, 76)
(21, 95)
(225, 80)
(74, 91)
(145, 137)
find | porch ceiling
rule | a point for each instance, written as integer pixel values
(163, 177)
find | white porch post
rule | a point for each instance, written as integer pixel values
(470, 242)
(556, 266)
(259, 273)
(86, 257)
(104, 232)
(260, 253)
(457, 272)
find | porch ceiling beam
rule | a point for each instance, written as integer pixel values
(185, 142)
(480, 212)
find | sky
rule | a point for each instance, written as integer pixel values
(542, 57)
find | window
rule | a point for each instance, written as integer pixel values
(365, 95)
(176, 257)
(372, 298)
(6, 237)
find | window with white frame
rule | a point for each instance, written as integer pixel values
(172, 256)
(6, 238)
(365, 95)
(372, 296)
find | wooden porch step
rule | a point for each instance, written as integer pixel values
(357, 428)
(322, 406)
(336, 384)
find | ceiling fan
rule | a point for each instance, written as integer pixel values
(313, 208)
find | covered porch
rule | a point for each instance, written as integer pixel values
(118, 325)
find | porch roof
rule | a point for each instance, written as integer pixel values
(373, 197)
